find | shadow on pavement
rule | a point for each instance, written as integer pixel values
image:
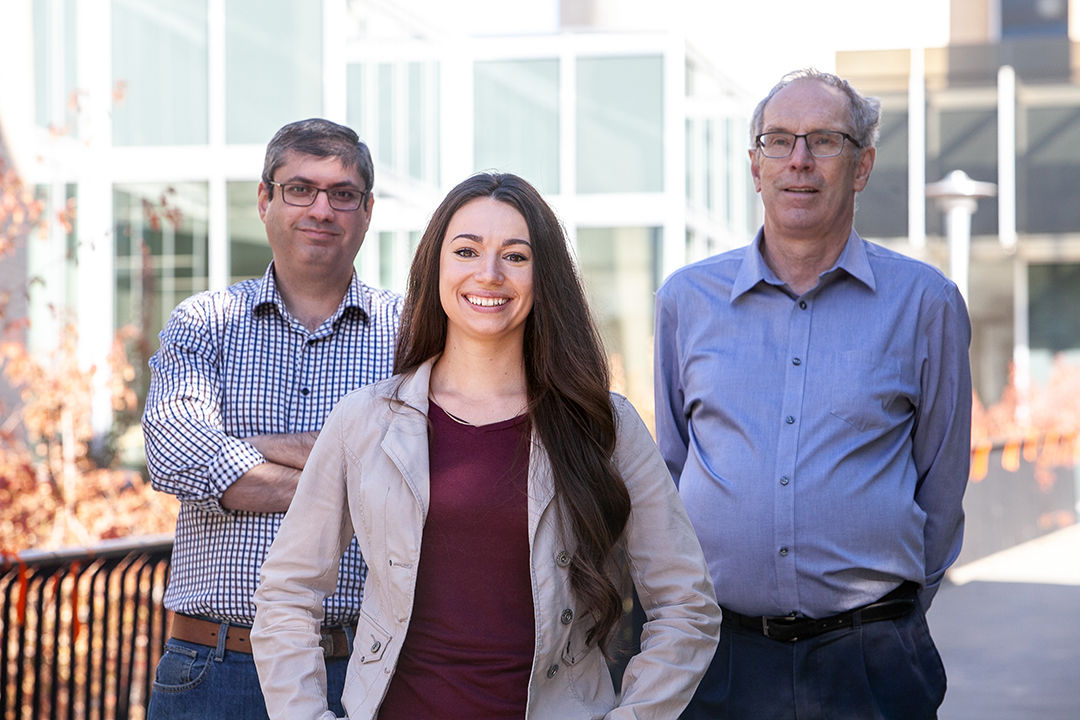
(1011, 650)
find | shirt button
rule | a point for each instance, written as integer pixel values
(375, 646)
(567, 616)
(802, 304)
(552, 670)
(562, 559)
(784, 480)
(796, 361)
(783, 551)
(304, 391)
(790, 419)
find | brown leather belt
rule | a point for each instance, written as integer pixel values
(333, 641)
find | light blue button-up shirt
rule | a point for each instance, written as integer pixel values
(821, 443)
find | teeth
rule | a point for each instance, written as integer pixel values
(486, 301)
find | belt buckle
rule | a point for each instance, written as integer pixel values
(326, 642)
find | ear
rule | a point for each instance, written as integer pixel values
(264, 200)
(865, 165)
(755, 170)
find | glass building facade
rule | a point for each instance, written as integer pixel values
(152, 116)
(1022, 299)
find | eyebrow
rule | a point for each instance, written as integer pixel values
(506, 242)
(300, 180)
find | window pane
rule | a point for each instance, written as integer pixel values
(55, 57)
(160, 72)
(249, 250)
(620, 124)
(273, 66)
(356, 102)
(1051, 288)
(161, 257)
(883, 205)
(969, 143)
(1048, 173)
(620, 269)
(516, 125)
(387, 137)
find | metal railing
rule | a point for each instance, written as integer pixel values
(82, 629)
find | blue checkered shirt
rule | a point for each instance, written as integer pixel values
(233, 364)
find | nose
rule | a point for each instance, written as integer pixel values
(321, 207)
(800, 154)
(489, 270)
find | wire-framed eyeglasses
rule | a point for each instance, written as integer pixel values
(821, 144)
(303, 195)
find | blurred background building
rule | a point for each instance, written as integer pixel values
(147, 120)
(142, 124)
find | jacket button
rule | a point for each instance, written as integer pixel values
(563, 558)
(567, 616)
(375, 646)
(552, 670)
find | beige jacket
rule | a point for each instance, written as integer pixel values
(368, 473)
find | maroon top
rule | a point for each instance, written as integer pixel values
(469, 649)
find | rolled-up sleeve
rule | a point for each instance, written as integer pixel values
(188, 452)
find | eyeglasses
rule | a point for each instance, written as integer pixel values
(302, 195)
(821, 144)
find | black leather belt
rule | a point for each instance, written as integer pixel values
(896, 604)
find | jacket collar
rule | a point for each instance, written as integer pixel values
(406, 443)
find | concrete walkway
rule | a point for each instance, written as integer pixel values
(1008, 629)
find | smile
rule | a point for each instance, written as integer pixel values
(486, 301)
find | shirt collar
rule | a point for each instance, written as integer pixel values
(853, 260)
(357, 296)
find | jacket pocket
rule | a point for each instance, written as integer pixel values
(371, 639)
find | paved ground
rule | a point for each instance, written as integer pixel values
(1008, 629)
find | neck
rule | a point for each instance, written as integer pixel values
(311, 297)
(480, 383)
(799, 262)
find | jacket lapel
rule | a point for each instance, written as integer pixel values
(406, 440)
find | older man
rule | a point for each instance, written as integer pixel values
(240, 388)
(813, 403)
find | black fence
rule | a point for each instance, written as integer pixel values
(1019, 490)
(82, 630)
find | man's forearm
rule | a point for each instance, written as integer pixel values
(268, 487)
(290, 450)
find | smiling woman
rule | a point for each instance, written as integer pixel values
(499, 493)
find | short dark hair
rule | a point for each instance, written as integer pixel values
(865, 111)
(567, 380)
(320, 138)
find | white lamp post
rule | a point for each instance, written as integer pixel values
(958, 196)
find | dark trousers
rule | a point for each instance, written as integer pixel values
(888, 670)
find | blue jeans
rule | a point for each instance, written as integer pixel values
(888, 670)
(196, 682)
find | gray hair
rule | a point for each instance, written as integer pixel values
(320, 138)
(865, 111)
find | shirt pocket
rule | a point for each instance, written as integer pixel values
(863, 388)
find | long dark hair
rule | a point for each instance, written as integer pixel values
(567, 380)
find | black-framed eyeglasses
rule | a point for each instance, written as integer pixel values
(821, 144)
(303, 195)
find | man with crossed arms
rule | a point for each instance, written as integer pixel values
(241, 386)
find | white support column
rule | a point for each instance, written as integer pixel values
(96, 278)
(335, 84)
(1007, 158)
(568, 141)
(674, 149)
(1021, 339)
(217, 221)
(917, 149)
